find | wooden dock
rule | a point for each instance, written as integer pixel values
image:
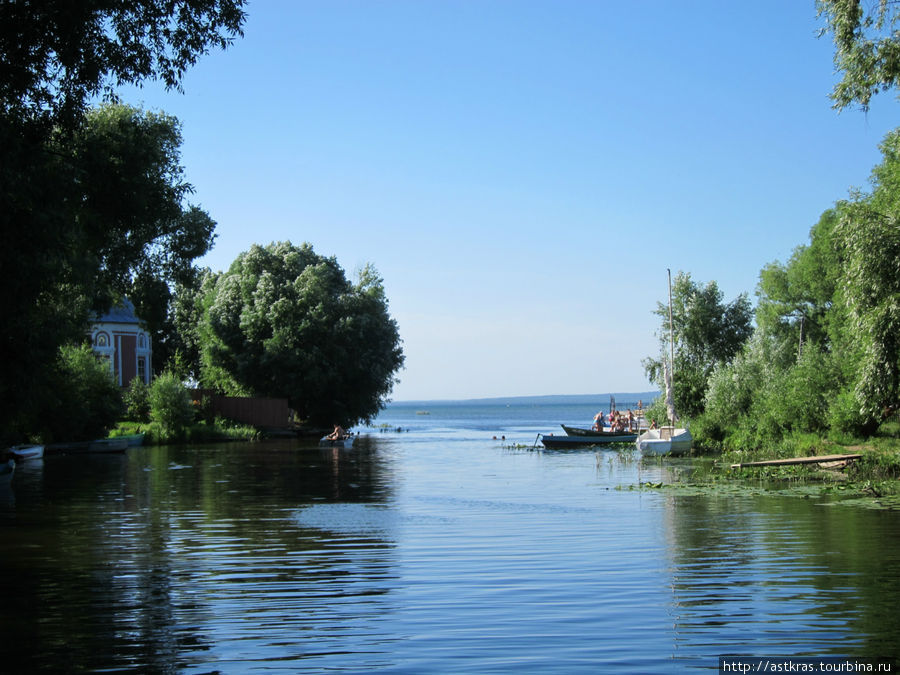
(833, 460)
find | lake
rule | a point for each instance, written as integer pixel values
(431, 549)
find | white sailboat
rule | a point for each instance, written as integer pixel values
(667, 440)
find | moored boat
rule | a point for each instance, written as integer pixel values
(665, 441)
(108, 445)
(570, 442)
(22, 452)
(615, 436)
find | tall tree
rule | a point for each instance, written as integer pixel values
(285, 322)
(106, 216)
(869, 236)
(867, 48)
(707, 331)
(61, 223)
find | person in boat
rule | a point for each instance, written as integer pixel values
(598, 421)
(338, 433)
(630, 419)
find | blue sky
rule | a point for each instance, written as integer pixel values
(522, 173)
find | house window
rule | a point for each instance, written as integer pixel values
(142, 368)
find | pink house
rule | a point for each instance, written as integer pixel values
(119, 337)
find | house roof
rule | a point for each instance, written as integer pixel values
(121, 313)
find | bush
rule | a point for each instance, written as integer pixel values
(86, 402)
(170, 405)
(137, 401)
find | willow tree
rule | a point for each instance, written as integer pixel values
(285, 322)
(867, 48)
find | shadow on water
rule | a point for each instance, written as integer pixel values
(153, 559)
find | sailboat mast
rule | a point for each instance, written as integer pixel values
(671, 328)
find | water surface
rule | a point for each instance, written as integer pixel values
(437, 549)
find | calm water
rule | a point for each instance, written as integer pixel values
(435, 549)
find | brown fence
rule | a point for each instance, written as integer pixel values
(270, 413)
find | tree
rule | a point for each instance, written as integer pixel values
(799, 302)
(105, 217)
(706, 331)
(57, 54)
(63, 220)
(867, 48)
(285, 322)
(85, 402)
(869, 237)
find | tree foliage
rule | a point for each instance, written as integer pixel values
(85, 402)
(867, 48)
(869, 239)
(104, 217)
(57, 54)
(82, 196)
(707, 332)
(285, 322)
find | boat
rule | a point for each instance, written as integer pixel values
(602, 436)
(667, 440)
(6, 471)
(108, 445)
(22, 452)
(134, 440)
(569, 442)
(345, 442)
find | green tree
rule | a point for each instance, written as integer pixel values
(170, 405)
(867, 48)
(57, 54)
(114, 223)
(285, 322)
(869, 237)
(707, 332)
(85, 403)
(72, 194)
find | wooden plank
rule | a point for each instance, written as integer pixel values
(798, 460)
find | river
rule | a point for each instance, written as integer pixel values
(435, 548)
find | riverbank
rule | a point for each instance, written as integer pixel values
(219, 430)
(871, 481)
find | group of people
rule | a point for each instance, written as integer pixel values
(616, 421)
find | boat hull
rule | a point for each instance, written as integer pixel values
(665, 441)
(617, 436)
(22, 452)
(338, 443)
(566, 442)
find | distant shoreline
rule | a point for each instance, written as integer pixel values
(553, 399)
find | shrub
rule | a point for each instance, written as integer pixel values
(170, 405)
(137, 401)
(87, 402)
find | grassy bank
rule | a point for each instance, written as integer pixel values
(871, 482)
(201, 432)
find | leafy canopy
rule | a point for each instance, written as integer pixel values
(285, 322)
(707, 331)
(867, 48)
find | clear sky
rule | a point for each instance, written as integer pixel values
(522, 173)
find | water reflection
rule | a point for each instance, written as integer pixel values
(414, 555)
(783, 576)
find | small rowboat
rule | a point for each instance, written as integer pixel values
(22, 452)
(345, 442)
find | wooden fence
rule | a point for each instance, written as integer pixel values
(268, 413)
